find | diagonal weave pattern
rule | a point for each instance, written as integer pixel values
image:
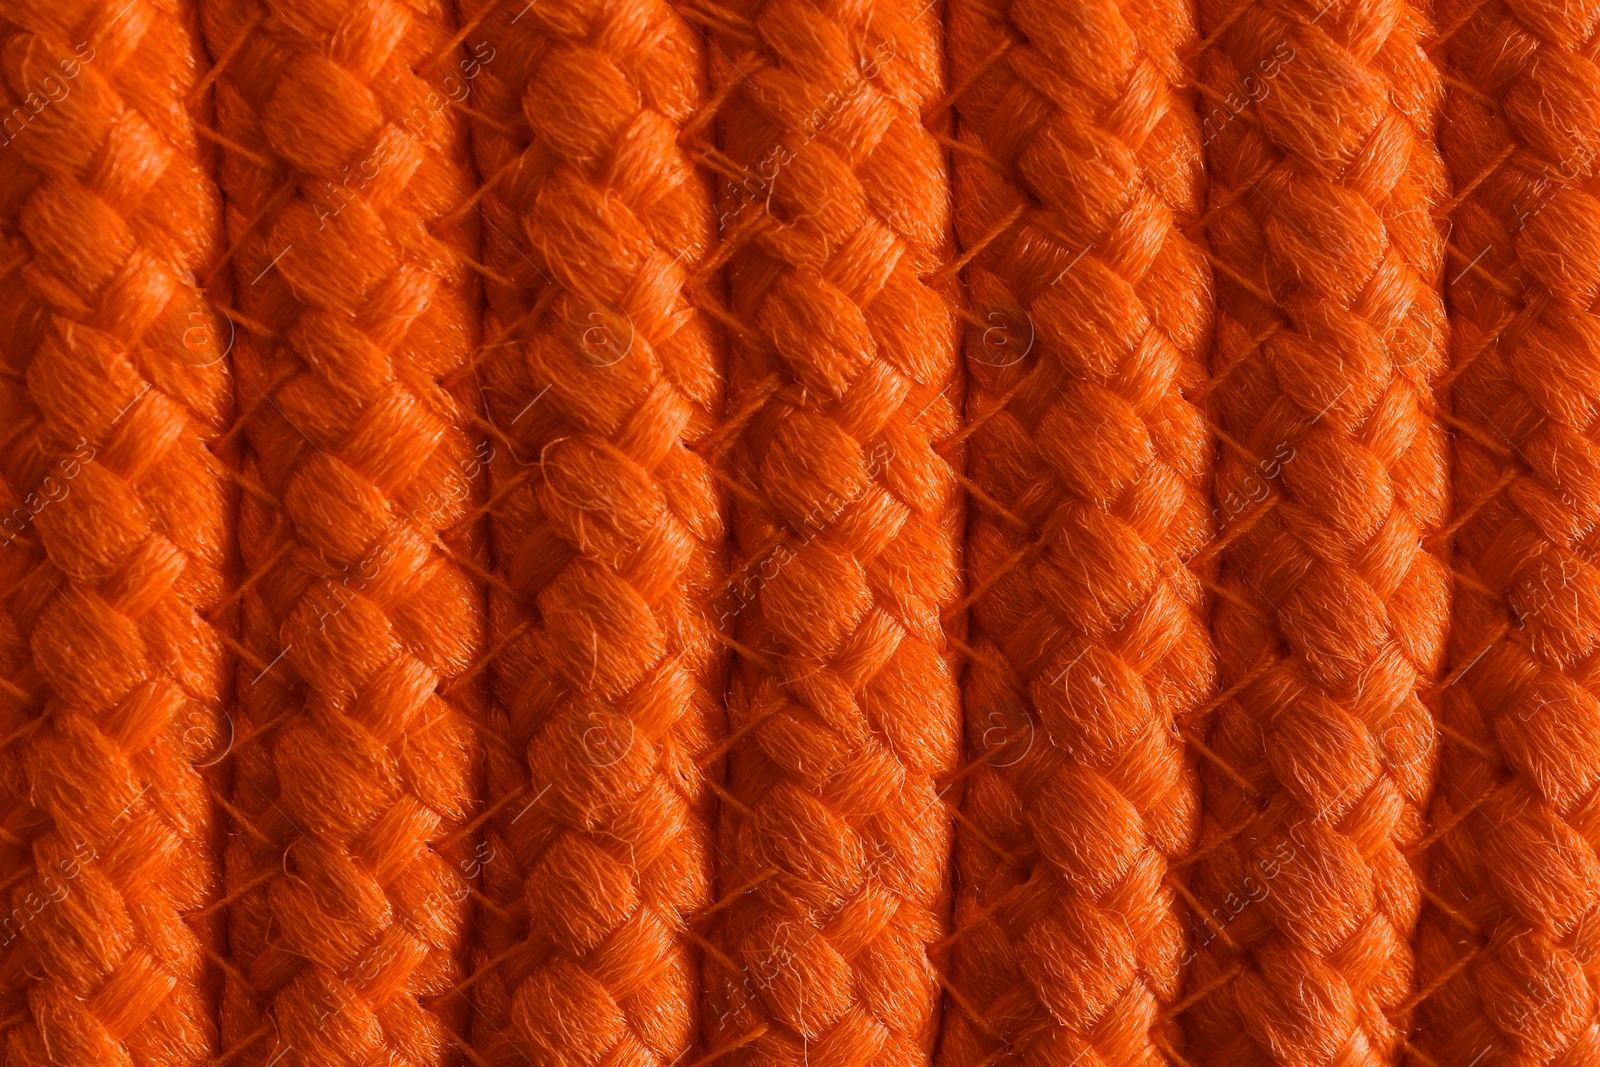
(117, 531)
(844, 710)
(1092, 471)
(1333, 483)
(602, 381)
(356, 770)
(1512, 943)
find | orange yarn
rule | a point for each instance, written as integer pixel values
(1091, 467)
(356, 768)
(1334, 596)
(833, 841)
(814, 925)
(1510, 948)
(603, 382)
(116, 544)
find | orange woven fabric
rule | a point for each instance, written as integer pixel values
(1515, 870)
(603, 383)
(1331, 618)
(833, 865)
(117, 527)
(355, 772)
(1091, 465)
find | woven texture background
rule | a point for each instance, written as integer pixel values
(675, 533)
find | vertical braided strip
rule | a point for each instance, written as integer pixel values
(1512, 945)
(1093, 471)
(1333, 484)
(20, 822)
(363, 620)
(834, 840)
(117, 525)
(608, 529)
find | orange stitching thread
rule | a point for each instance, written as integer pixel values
(848, 538)
(1322, 220)
(1511, 927)
(117, 541)
(1095, 315)
(611, 537)
(351, 875)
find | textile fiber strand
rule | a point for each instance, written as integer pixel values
(844, 383)
(117, 534)
(1508, 952)
(1332, 485)
(604, 385)
(350, 865)
(1092, 470)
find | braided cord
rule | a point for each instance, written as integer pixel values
(116, 524)
(844, 709)
(345, 169)
(1092, 469)
(604, 383)
(1333, 483)
(1507, 952)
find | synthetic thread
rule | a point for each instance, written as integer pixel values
(1332, 481)
(1508, 952)
(350, 865)
(834, 834)
(1091, 467)
(604, 386)
(117, 520)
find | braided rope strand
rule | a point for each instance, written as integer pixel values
(350, 871)
(1507, 955)
(834, 837)
(609, 533)
(1330, 346)
(117, 526)
(1093, 464)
